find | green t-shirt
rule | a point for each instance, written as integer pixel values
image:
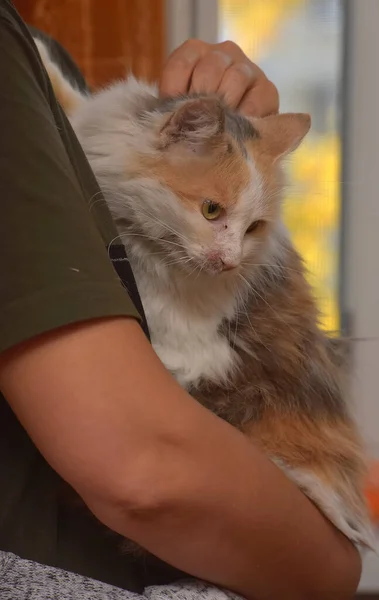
(54, 270)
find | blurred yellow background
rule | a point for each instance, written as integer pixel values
(313, 201)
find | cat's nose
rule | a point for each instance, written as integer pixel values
(228, 265)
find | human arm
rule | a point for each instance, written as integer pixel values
(158, 468)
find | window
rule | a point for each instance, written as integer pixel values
(298, 43)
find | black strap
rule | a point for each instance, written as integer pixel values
(120, 261)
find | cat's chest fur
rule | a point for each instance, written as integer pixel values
(186, 332)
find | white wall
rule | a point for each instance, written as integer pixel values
(362, 224)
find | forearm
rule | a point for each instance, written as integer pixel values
(158, 468)
(238, 522)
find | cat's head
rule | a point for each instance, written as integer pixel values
(187, 174)
(215, 184)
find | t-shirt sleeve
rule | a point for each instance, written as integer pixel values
(54, 266)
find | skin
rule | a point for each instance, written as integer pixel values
(223, 69)
(149, 461)
(155, 466)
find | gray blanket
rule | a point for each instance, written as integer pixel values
(25, 580)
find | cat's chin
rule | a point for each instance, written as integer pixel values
(221, 273)
(209, 269)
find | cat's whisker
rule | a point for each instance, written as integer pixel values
(192, 272)
(246, 314)
(172, 230)
(197, 267)
(271, 266)
(166, 226)
(152, 238)
(159, 253)
(117, 237)
(201, 269)
(241, 305)
(229, 333)
(94, 200)
(180, 261)
(255, 291)
(233, 345)
(267, 278)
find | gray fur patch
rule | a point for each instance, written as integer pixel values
(240, 128)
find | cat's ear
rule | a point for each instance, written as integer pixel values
(282, 134)
(196, 123)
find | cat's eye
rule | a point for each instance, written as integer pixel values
(211, 210)
(255, 225)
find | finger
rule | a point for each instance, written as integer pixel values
(261, 100)
(239, 78)
(177, 73)
(209, 71)
(231, 49)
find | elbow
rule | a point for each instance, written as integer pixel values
(341, 577)
(136, 493)
(348, 573)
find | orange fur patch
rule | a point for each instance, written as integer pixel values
(66, 96)
(304, 442)
(329, 450)
(220, 177)
(280, 135)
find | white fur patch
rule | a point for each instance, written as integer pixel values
(71, 94)
(185, 332)
(356, 527)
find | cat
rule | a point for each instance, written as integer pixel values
(195, 190)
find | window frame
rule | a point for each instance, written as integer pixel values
(360, 217)
(187, 19)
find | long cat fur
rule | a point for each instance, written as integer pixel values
(245, 343)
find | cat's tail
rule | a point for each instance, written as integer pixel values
(68, 96)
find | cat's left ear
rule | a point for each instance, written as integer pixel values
(281, 134)
(195, 124)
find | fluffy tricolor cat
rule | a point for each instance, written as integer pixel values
(195, 190)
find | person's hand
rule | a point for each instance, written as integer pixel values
(223, 69)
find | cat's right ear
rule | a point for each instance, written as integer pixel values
(281, 134)
(195, 124)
